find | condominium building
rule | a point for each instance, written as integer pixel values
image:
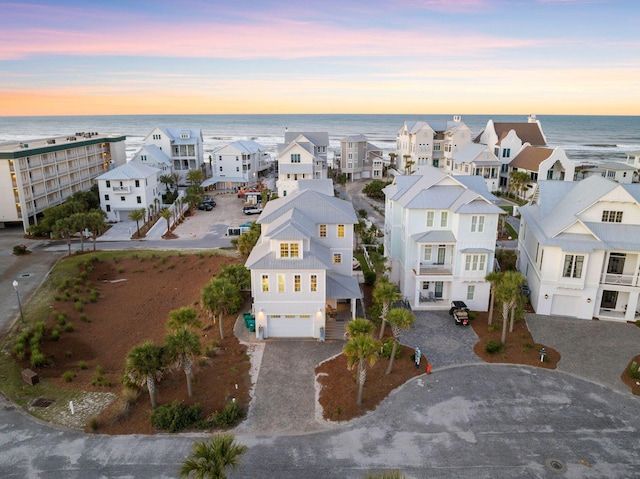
(37, 174)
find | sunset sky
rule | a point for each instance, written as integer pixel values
(68, 57)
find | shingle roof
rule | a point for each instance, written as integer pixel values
(530, 157)
(527, 132)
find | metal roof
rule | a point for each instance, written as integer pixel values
(130, 171)
(340, 286)
(435, 236)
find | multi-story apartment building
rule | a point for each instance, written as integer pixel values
(579, 250)
(302, 263)
(430, 143)
(303, 156)
(36, 174)
(239, 163)
(440, 238)
(360, 159)
(129, 187)
(184, 146)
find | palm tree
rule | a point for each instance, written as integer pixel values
(506, 287)
(166, 180)
(237, 274)
(385, 293)
(221, 297)
(248, 240)
(64, 228)
(182, 346)
(392, 159)
(185, 316)
(493, 278)
(359, 326)
(209, 459)
(96, 224)
(399, 319)
(144, 366)
(137, 215)
(360, 350)
(166, 214)
(194, 177)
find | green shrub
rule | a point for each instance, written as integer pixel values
(493, 346)
(19, 249)
(68, 376)
(634, 372)
(387, 347)
(85, 318)
(231, 414)
(55, 334)
(93, 296)
(94, 424)
(493, 327)
(38, 359)
(120, 270)
(369, 277)
(176, 417)
(99, 379)
(68, 327)
(79, 306)
(20, 349)
(82, 365)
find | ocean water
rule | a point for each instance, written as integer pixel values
(584, 138)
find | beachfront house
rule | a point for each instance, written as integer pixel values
(579, 250)
(475, 159)
(151, 155)
(429, 143)
(633, 159)
(360, 159)
(238, 164)
(40, 173)
(507, 140)
(184, 146)
(440, 238)
(303, 156)
(617, 171)
(302, 281)
(541, 163)
(129, 187)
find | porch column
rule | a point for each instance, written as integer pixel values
(353, 307)
(632, 304)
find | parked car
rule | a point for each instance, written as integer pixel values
(355, 264)
(205, 207)
(211, 203)
(252, 210)
(460, 312)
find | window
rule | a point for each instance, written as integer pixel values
(444, 219)
(296, 283)
(122, 198)
(281, 283)
(138, 199)
(337, 258)
(106, 197)
(108, 183)
(265, 283)
(313, 283)
(293, 247)
(572, 266)
(295, 157)
(340, 231)
(475, 262)
(612, 216)
(284, 250)
(427, 253)
(477, 224)
(471, 289)
(108, 208)
(506, 153)
(220, 168)
(323, 231)
(137, 183)
(430, 216)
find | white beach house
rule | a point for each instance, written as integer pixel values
(440, 238)
(360, 159)
(542, 163)
(302, 263)
(579, 248)
(238, 164)
(129, 187)
(303, 156)
(184, 146)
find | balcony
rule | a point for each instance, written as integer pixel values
(619, 279)
(435, 269)
(122, 189)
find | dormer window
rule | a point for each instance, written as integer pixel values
(184, 135)
(611, 216)
(289, 250)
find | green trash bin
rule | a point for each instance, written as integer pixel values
(252, 325)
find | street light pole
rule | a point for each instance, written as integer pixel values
(15, 286)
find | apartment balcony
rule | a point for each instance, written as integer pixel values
(619, 279)
(122, 189)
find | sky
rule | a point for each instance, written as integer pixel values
(68, 57)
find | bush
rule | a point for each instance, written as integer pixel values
(99, 379)
(231, 415)
(369, 277)
(82, 365)
(85, 318)
(38, 359)
(634, 372)
(55, 334)
(79, 306)
(176, 417)
(93, 296)
(68, 376)
(68, 327)
(387, 347)
(493, 346)
(19, 249)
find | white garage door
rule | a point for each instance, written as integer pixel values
(564, 305)
(289, 327)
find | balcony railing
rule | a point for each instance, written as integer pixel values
(622, 279)
(122, 189)
(435, 269)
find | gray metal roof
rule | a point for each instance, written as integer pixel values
(130, 171)
(436, 197)
(321, 186)
(434, 236)
(223, 179)
(243, 146)
(341, 287)
(295, 168)
(617, 236)
(318, 138)
(319, 208)
(156, 153)
(262, 257)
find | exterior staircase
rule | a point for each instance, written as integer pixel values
(335, 330)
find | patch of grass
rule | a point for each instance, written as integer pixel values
(68, 376)
(99, 379)
(78, 306)
(68, 327)
(85, 318)
(494, 346)
(82, 365)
